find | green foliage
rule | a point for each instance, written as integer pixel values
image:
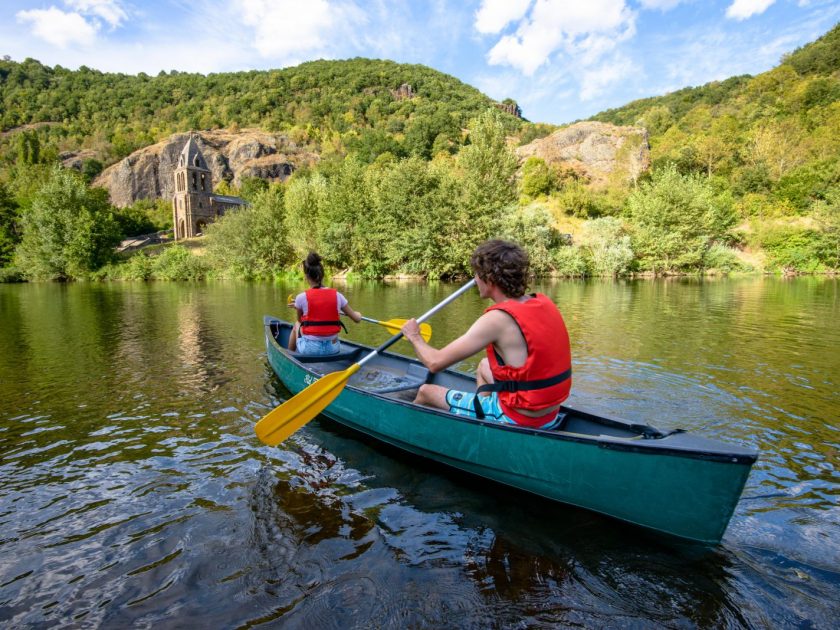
(808, 183)
(819, 57)
(533, 228)
(305, 196)
(608, 246)
(69, 230)
(251, 187)
(91, 168)
(489, 168)
(414, 221)
(570, 261)
(789, 248)
(722, 259)
(143, 217)
(535, 131)
(827, 216)
(351, 97)
(346, 203)
(576, 199)
(9, 225)
(177, 263)
(251, 242)
(676, 219)
(537, 177)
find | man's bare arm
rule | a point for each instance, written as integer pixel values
(483, 332)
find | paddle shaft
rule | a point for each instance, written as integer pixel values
(420, 319)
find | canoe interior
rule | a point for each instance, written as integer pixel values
(398, 377)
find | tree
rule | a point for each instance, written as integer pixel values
(68, 232)
(827, 216)
(488, 171)
(676, 219)
(9, 225)
(252, 242)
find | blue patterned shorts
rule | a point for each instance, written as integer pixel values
(461, 404)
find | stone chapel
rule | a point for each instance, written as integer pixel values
(194, 204)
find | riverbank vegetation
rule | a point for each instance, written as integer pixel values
(745, 175)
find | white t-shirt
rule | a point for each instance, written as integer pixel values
(302, 304)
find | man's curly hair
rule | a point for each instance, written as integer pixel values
(503, 263)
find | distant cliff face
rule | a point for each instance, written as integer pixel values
(147, 173)
(601, 152)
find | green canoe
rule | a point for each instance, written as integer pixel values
(674, 482)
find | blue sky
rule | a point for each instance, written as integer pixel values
(561, 60)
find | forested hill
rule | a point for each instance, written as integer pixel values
(773, 135)
(361, 99)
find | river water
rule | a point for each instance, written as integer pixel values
(133, 492)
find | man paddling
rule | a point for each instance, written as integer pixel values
(527, 372)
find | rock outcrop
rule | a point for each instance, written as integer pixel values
(599, 152)
(148, 172)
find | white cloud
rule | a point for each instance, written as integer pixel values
(297, 29)
(57, 27)
(585, 31)
(662, 5)
(742, 9)
(494, 15)
(595, 81)
(109, 10)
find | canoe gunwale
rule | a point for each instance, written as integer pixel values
(640, 444)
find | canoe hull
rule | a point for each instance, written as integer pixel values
(691, 497)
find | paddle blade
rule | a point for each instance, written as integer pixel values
(395, 325)
(282, 421)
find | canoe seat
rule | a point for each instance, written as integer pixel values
(344, 355)
(415, 376)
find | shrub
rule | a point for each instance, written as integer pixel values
(789, 248)
(570, 261)
(533, 228)
(723, 259)
(608, 246)
(177, 263)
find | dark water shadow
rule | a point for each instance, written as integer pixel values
(523, 557)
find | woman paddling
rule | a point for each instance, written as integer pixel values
(319, 309)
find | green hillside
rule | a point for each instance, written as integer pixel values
(773, 137)
(114, 114)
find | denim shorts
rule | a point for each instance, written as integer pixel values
(461, 404)
(318, 347)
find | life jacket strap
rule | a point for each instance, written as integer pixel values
(335, 323)
(517, 386)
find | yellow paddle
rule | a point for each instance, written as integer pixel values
(393, 325)
(282, 421)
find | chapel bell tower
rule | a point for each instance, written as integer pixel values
(192, 205)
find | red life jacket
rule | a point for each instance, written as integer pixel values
(322, 317)
(545, 379)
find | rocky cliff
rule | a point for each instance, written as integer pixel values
(230, 155)
(599, 152)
